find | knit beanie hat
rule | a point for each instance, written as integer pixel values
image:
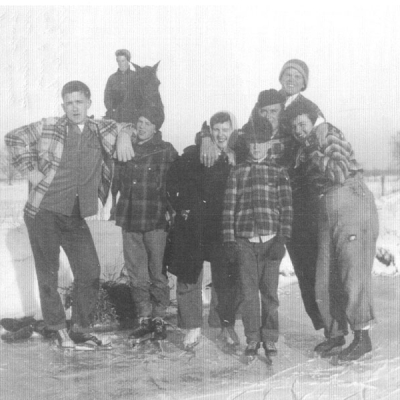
(269, 97)
(298, 65)
(154, 114)
(254, 134)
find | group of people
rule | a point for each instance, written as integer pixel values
(237, 198)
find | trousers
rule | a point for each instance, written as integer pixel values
(348, 228)
(143, 255)
(259, 277)
(48, 231)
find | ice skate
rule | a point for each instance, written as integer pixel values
(87, 341)
(143, 332)
(159, 329)
(360, 346)
(330, 346)
(250, 353)
(191, 339)
(270, 348)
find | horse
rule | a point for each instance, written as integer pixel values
(146, 94)
(147, 86)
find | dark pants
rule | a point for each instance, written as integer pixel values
(259, 275)
(143, 254)
(225, 280)
(190, 303)
(49, 231)
(348, 230)
(303, 251)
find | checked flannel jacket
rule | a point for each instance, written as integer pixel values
(41, 144)
(329, 159)
(142, 203)
(258, 201)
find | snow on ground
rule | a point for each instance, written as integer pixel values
(122, 373)
(18, 287)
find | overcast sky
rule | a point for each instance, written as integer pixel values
(212, 58)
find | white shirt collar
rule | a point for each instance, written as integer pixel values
(290, 100)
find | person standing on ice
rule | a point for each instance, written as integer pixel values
(140, 212)
(302, 247)
(196, 194)
(256, 223)
(68, 164)
(347, 232)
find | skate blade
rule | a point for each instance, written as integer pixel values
(85, 347)
(266, 360)
(336, 362)
(143, 339)
(248, 360)
(189, 348)
(328, 354)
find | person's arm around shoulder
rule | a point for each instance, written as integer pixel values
(124, 148)
(334, 153)
(209, 151)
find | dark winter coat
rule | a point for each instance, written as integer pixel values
(200, 190)
(121, 98)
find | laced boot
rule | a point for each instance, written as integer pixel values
(159, 329)
(145, 328)
(252, 349)
(270, 348)
(360, 345)
(325, 348)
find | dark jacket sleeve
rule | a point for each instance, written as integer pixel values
(285, 203)
(107, 94)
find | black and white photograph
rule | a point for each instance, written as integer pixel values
(200, 202)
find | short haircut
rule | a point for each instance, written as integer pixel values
(220, 118)
(301, 109)
(75, 86)
(123, 53)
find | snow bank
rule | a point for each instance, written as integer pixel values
(18, 284)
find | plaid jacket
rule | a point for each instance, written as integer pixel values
(329, 158)
(142, 203)
(258, 201)
(40, 145)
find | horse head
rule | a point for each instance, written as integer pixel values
(147, 86)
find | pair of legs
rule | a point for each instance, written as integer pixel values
(303, 251)
(348, 229)
(259, 276)
(226, 285)
(143, 255)
(48, 231)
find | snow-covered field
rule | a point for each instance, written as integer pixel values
(18, 287)
(296, 373)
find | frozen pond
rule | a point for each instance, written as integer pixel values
(37, 369)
